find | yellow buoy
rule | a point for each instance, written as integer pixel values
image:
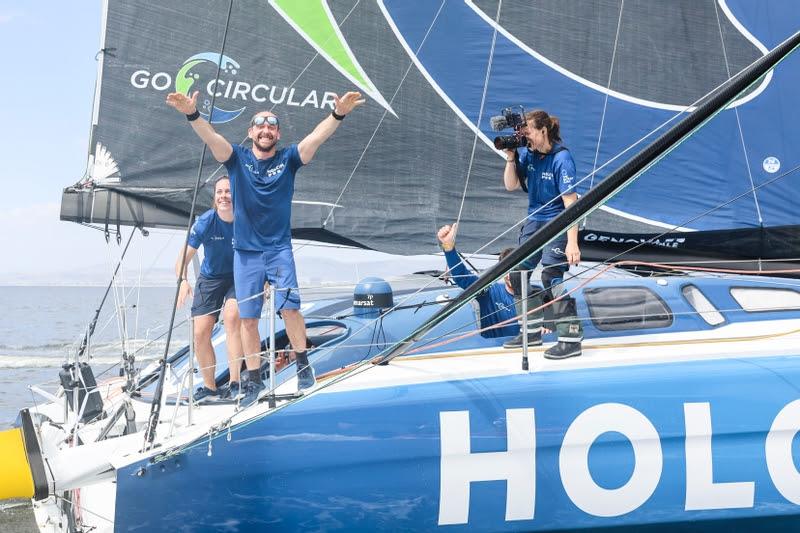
(16, 480)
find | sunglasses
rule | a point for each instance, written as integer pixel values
(261, 120)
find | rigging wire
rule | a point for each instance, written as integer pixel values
(593, 173)
(120, 314)
(480, 110)
(738, 119)
(608, 88)
(622, 253)
(343, 190)
(82, 508)
(93, 323)
(152, 423)
(291, 85)
(427, 344)
(617, 181)
(385, 112)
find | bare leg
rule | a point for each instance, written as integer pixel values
(233, 333)
(251, 343)
(206, 358)
(295, 328)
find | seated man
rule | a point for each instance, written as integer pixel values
(496, 304)
(214, 291)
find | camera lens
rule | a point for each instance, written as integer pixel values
(508, 142)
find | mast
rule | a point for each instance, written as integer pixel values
(615, 182)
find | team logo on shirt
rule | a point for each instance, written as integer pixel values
(566, 178)
(272, 172)
(547, 176)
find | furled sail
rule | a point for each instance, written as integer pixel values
(419, 154)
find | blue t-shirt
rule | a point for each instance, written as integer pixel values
(548, 177)
(496, 304)
(262, 191)
(216, 236)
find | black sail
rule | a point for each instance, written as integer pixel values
(419, 153)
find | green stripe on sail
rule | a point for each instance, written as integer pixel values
(312, 19)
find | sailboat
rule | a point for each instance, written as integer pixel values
(682, 410)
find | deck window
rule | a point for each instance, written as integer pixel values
(702, 305)
(626, 308)
(762, 299)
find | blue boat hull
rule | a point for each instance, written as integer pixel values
(602, 447)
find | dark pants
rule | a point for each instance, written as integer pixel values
(554, 266)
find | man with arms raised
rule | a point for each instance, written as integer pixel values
(262, 183)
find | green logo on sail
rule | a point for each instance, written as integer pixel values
(187, 75)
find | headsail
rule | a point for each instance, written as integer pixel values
(612, 73)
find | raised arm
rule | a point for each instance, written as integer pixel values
(308, 146)
(219, 146)
(510, 176)
(459, 272)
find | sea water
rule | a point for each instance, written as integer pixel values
(42, 327)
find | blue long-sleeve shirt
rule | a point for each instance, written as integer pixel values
(496, 303)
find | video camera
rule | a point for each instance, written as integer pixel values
(511, 117)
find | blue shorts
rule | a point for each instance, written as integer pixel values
(554, 253)
(252, 269)
(210, 295)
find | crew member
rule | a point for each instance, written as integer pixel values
(496, 303)
(262, 183)
(547, 171)
(213, 230)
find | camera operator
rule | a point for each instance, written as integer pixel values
(546, 170)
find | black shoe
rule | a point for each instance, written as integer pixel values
(563, 350)
(534, 339)
(206, 395)
(305, 374)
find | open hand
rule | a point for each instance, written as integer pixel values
(182, 102)
(347, 102)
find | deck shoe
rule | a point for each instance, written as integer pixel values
(305, 374)
(206, 395)
(563, 350)
(251, 392)
(235, 391)
(534, 339)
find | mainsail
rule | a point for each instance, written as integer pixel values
(419, 154)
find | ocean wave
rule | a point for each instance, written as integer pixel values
(36, 347)
(137, 346)
(17, 361)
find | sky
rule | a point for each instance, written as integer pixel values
(46, 104)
